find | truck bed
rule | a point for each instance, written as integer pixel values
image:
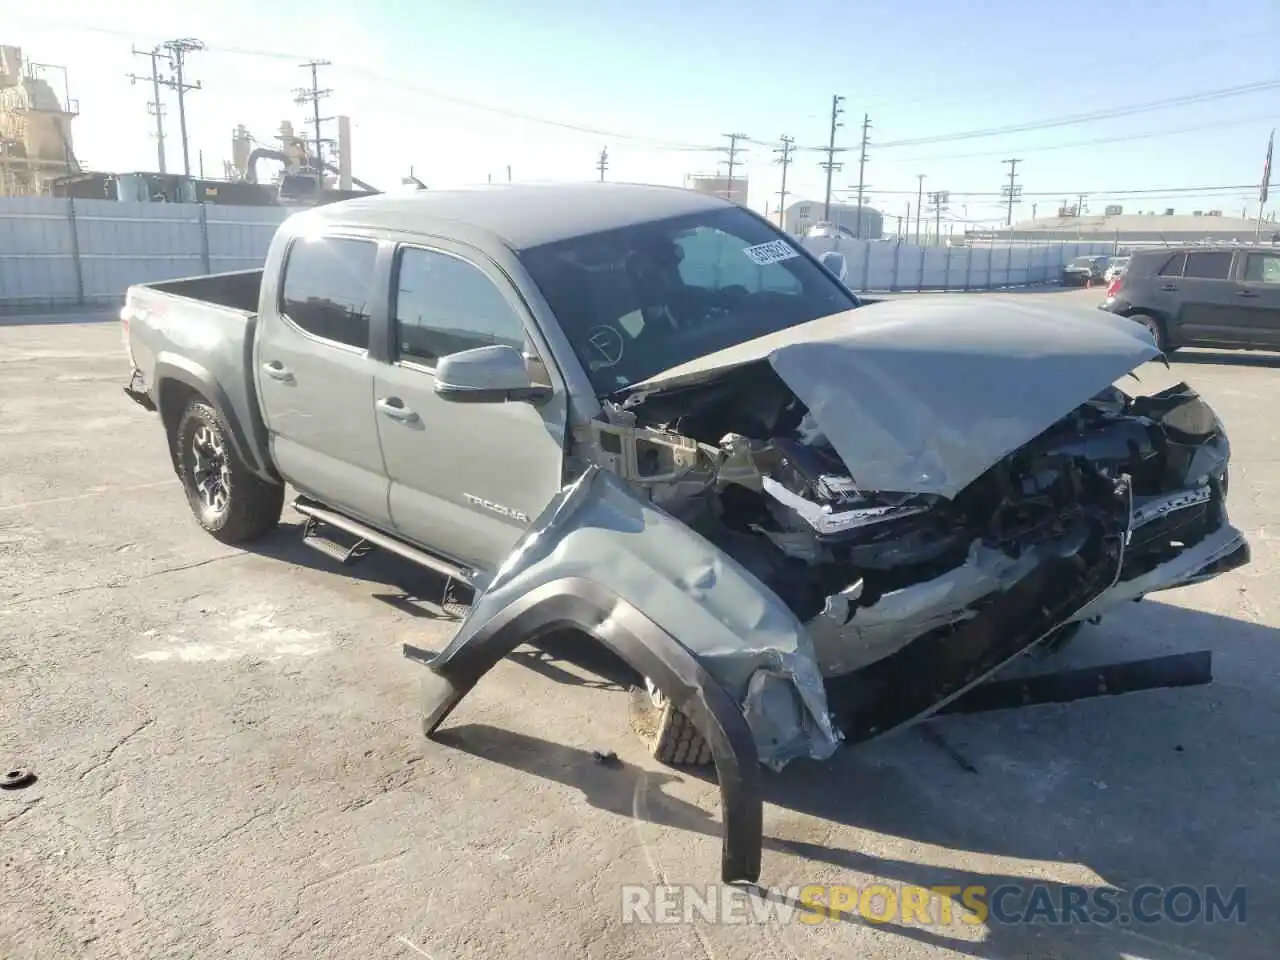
(197, 333)
(238, 290)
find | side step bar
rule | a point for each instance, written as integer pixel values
(309, 508)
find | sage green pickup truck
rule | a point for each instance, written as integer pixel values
(647, 417)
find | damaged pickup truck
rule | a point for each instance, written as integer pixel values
(645, 416)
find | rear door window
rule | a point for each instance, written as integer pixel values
(328, 288)
(1262, 268)
(1173, 267)
(1214, 265)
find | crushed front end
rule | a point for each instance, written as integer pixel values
(909, 599)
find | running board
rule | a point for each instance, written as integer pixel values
(371, 537)
(315, 537)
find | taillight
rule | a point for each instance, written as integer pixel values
(125, 316)
(1114, 286)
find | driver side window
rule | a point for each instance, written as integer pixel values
(714, 260)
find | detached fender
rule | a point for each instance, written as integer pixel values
(720, 645)
(649, 650)
(174, 368)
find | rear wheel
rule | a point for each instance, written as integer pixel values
(230, 501)
(668, 735)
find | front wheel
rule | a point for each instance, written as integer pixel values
(669, 736)
(228, 499)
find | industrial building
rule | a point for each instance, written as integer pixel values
(731, 189)
(35, 127)
(803, 214)
(1122, 228)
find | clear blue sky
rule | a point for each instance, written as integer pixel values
(657, 75)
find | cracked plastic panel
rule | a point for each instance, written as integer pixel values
(599, 531)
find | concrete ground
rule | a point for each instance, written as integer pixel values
(230, 762)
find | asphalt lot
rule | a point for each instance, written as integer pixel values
(230, 761)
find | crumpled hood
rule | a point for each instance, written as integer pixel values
(924, 394)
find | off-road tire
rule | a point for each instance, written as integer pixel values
(668, 735)
(253, 505)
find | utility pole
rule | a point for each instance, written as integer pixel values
(1079, 205)
(155, 107)
(830, 164)
(602, 164)
(313, 96)
(178, 50)
(938, 201)
(784, 157)
(919, 203)
(862, 163)
(733, 150)
(1012, 192)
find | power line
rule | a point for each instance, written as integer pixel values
(1143, 191)
(788, 145)
(1095, 141)
(154, 106)
(313, 95)
(1012, 192)
(663, 144)
(602, 164)
(1073, 119)
(178, 50)
(830, 164)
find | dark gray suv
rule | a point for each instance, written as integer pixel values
(1202, 296)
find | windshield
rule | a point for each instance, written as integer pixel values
(635, 301)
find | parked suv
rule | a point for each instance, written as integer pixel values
(1084, 270)
(1202, 296)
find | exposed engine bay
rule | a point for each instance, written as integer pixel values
(741, 460)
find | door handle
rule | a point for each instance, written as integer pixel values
(277, 371)
(394, 408)
(1169, 287)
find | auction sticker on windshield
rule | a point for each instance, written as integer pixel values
(774, 251)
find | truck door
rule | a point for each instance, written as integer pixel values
(1206, 298)
(1258, 299)
(466, 478)
(315, 376)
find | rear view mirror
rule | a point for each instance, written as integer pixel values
(493, 374)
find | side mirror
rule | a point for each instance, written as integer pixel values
(835, 262)
(493, 374)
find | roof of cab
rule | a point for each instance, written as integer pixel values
(520, 215)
